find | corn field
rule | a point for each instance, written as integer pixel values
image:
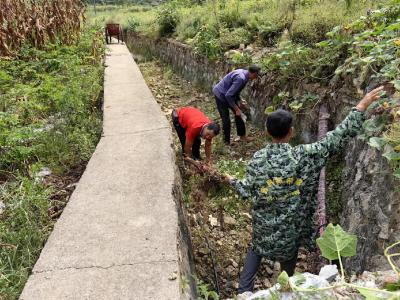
(37, 22)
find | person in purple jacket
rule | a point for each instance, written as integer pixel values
(227, 97)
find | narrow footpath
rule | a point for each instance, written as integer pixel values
(117, 237)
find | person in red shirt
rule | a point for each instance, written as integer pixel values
(191, 125)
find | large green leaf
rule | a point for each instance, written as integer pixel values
(336, 242)
(374, 295)
(283, 279)
(392, 155)
(377, 142)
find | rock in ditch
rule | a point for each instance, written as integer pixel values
(228, 220)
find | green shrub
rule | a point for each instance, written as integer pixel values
(290, 61)
(231, 16)
(206, 43)
(133, 24)
(233, 38)
(167, 19)
(188, 27)
(267, 33)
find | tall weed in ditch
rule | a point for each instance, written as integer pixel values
(50, 117)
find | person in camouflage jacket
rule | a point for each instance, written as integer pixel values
(282, 182)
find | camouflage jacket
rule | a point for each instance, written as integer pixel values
(282, 181)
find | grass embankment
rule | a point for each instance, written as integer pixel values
(137, 17)
(215, 26)
(50, 123)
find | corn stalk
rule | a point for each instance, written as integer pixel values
(38, 22)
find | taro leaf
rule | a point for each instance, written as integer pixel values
(373, 295)
(283, 279)
(296, 106)
(396, 84)
(269, 109)
(392, 155)
(397, 173)
(377, 142)
(336, 242)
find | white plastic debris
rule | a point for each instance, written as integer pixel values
(329, 272)
(304, 281)
(2, 207)
(44, 172)
(213, 221)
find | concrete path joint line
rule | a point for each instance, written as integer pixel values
(107, 267)
(137, 132)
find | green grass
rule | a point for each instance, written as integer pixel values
(233, 22)
(49, 117)
(124, 15)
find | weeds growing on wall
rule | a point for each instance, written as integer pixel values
(50, 121)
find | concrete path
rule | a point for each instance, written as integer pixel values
(117, 237)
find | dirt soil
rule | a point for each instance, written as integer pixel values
(219, 221)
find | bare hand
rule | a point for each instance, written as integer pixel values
(243, 103)
(228, 178)
(370, 97)
(238, 113)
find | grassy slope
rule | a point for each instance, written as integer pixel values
(49, 117)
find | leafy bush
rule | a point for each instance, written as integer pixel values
(289, 61)
(373, 49)
(231, 15)
(206, 43)
(133, 24)
(167, 19)
(233, 38)
(242, 59)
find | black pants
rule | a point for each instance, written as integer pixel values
(223, 110)
(251, 265)
(182, 138)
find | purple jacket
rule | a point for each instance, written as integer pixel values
(229, 88)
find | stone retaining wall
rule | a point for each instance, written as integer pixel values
(367, 188)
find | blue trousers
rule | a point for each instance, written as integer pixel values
(251, 266)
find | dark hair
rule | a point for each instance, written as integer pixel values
(254, 69)
(214, 127)
(279, 123)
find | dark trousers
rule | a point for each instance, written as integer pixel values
(223, 109)
(182, 138)
(251, 265)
